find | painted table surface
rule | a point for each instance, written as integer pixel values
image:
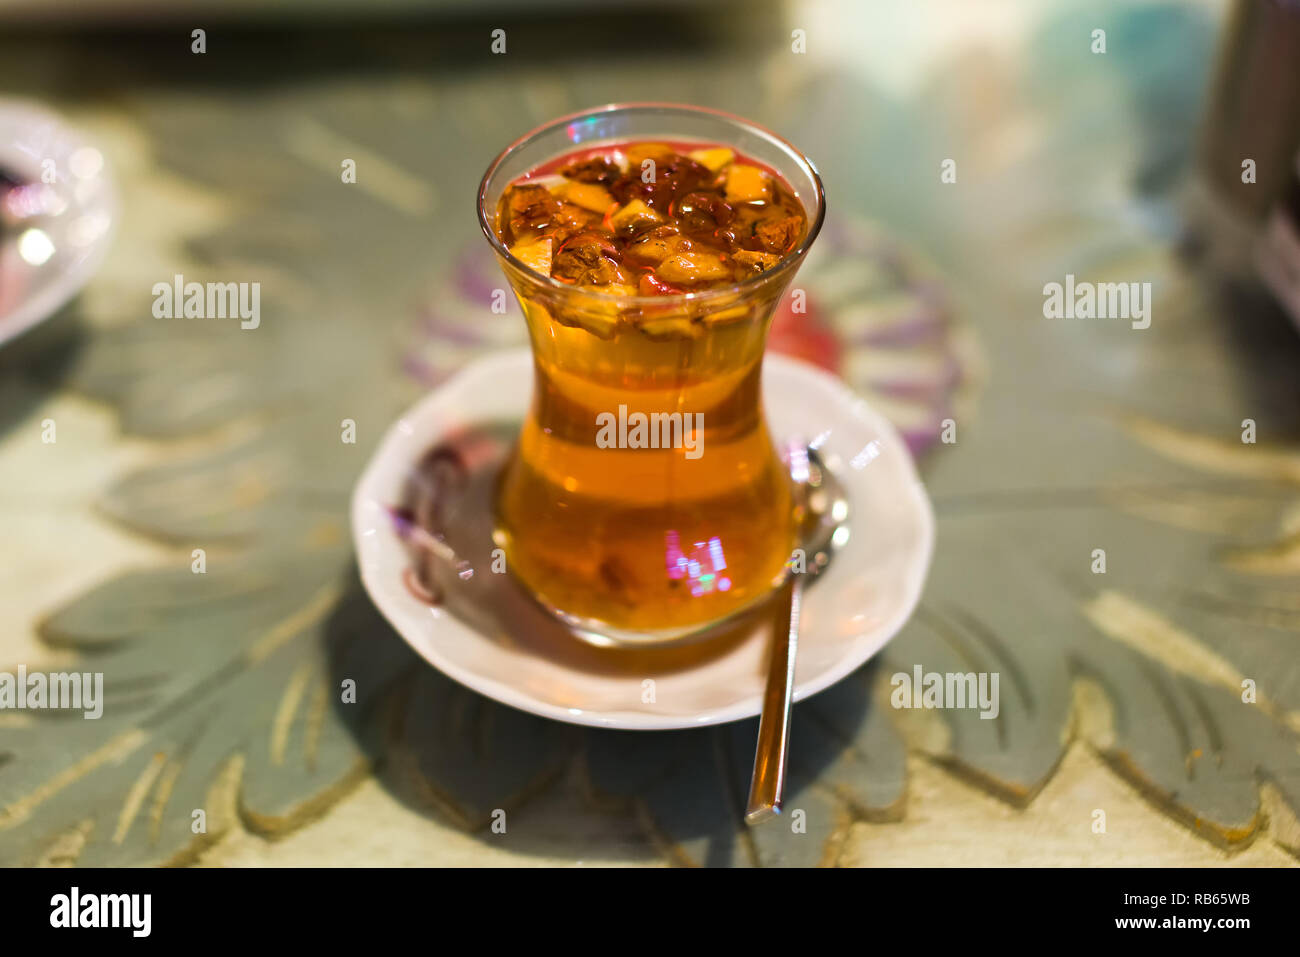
(1121, 693)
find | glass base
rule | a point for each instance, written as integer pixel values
(601, 634)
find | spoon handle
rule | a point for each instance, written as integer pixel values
(767, 786)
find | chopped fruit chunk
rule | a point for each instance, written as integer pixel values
(590, 258)
(703, 211)
(550, 182)
(535, 255)
(693, 268)
(638, 152)
(587, 195)
(747, 184)
(652, 285)
(722, 317)
(529, 196)
(593, 169)
(601, 325)
(530, 209)
(599, 318)
(714, 158)
(778, 235)
(658, 244)
(670, 329)
(752, 263)
(572, 217)
(600, 271)
(634, 216)
(570, 220)
(672, 176)
(604, 273)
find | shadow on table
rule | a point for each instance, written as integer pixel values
(34, 366)
(452, 753)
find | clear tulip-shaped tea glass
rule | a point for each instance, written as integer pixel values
(629, 544)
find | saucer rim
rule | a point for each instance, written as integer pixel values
(365, 504)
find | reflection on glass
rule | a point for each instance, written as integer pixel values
(701, 570)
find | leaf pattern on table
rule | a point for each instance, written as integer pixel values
(224, 689)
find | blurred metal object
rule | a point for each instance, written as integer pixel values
(1277, 255)
(1254, 110)
(1246, 209)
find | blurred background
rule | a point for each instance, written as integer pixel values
(1118, 162)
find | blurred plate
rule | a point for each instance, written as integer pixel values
(67, 194)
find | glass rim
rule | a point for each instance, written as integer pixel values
(788, 262)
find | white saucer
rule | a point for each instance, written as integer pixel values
(45, 263)
(849, 612)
